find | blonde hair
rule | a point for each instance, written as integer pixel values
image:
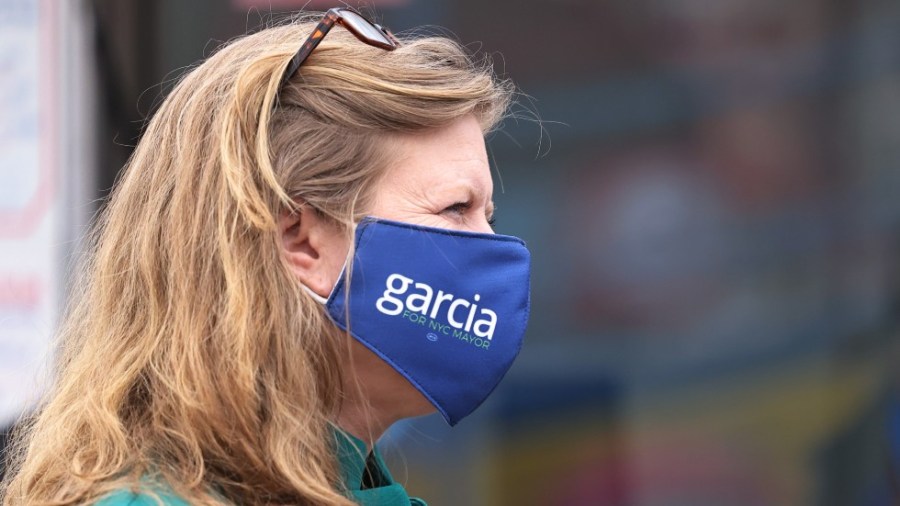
(188, 356)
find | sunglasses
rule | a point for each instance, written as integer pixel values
(364, 30)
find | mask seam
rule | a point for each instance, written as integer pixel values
(524, 325)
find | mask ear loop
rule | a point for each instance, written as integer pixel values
(318, 298)
(324, 300)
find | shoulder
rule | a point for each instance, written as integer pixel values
(129, 498)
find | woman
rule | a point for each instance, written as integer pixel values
(297, 256)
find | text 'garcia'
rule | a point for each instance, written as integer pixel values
(422, 299)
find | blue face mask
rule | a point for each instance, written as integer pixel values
(447, 309)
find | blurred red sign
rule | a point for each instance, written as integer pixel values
(309, 4)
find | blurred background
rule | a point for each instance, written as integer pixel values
(715, 231)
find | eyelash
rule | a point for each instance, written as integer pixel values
(462, 207)
(459, 207)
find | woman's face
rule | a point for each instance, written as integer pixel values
(440, 178)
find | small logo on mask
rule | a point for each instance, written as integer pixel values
(431, 336)
(420, 304)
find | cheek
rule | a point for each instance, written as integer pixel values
(334, 259)
(393, 203)
(426, 218)
(417, 209)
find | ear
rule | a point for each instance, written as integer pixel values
(314, 248)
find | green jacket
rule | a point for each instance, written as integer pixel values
(366, 478)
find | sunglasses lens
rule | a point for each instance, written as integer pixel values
(363, 27)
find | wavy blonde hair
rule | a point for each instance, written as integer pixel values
(188, 356)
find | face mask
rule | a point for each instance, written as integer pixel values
(447, 309)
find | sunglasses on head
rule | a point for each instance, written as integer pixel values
(364, 30)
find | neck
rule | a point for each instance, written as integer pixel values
(369, 405)
(375, 396)
(359, 420)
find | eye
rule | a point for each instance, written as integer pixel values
(458, 208)
(462, 209)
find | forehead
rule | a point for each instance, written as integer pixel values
(440, 159)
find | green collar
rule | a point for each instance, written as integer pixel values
(366, 477)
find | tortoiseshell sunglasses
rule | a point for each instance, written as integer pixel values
(365, 30)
